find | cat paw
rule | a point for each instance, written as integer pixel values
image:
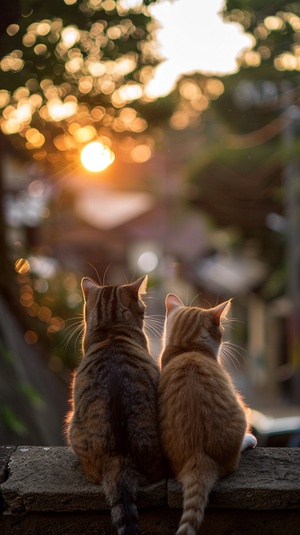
(249, 441)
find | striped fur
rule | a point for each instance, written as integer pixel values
(202, 418)
(113, 426)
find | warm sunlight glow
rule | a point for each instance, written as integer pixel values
(206, 43)
(186, 37)
(96, 157)
(59, 111)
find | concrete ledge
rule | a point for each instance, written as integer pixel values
(44, 491)
(5, 455)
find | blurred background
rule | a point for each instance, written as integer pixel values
(157, 137)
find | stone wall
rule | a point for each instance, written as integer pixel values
(43, 491)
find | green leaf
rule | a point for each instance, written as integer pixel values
(33, 395)
(13, 422)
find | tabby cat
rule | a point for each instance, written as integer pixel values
(202, 419)
(113, 424)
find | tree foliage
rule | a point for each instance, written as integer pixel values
(73, 71)
(239, 175)
(269, 73)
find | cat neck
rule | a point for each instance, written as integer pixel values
(118, 334)
(171, 352)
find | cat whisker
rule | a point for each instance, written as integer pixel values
(154, 326)
(148, 297)
(158, 322)
(105, 273)
(152, 330)
(209, 305)
(229, 362)
(158, 326)
(71, 328)
(156, 317)
(194, 299)
(97, 273)
(71, 331)
(132, 278)
(231, 355)
(68, 340)
(231, 327)
(235, 347)
(230, 321)
(75, 320)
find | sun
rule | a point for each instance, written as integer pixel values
(96, 157)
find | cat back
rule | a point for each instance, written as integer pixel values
(113, 425)
(202, 418)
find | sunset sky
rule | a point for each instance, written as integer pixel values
(193, 38)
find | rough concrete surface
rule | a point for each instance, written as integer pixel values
(267, 478)
(51, 479)
(44, 492)
(5, 454)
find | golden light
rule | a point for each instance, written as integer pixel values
(22, 266)
(85, 134)
(274, 23)
(252, 58)
(96, 157)
(70, 35)
(58, 111)
(179, 120)
(23, 113)
(34, 137)
(287, 62)
(141, 153)
(4, 98)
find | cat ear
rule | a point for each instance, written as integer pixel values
(86, 285)
(220, 311)
(172, 302)
(139, 287)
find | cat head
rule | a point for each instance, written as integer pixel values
(107, 306)
(192, 327)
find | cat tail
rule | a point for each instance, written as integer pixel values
(198, 478)
(120, 487)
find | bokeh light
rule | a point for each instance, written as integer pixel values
(22, 266)
(148, 261)
(31, 337)
(96, 157)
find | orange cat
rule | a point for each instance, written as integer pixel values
(203, 420)
(113, 425)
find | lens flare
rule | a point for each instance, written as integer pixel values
(96, 157)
